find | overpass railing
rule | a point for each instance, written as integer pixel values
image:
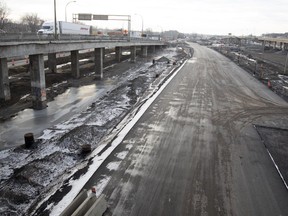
(13, 37)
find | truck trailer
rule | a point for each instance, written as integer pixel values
(64, 28)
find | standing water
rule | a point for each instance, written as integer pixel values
(63, 107)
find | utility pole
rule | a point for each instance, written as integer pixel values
(129, 27)
(55, 21)
(142, 30)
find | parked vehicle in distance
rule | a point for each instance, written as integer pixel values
(64, 28)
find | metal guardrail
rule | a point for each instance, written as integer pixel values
(22, 37)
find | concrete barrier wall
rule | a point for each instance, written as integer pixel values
(85, 206)
(98, 208)
(75, 204)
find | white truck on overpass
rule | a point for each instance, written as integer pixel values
(64, 28)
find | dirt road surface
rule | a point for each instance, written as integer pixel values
(195, 150)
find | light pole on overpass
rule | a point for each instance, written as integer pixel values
(55, 21)
(66, 9)
(161, 34)
(286, 64)
(142, 24)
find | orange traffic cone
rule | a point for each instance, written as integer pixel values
(269, 84)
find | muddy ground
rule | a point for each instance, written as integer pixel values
(275, 140)
(31, 175)
(268, 66)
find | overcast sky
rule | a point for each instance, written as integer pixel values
(239, 17)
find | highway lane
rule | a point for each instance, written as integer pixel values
(195, 150)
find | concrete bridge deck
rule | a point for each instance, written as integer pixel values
(36, 50)
(12, 49)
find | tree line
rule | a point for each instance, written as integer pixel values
(29, 23)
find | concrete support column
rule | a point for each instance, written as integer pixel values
(99, 63)
(144, 51)
(132, 54)
(283, 47)
(118, 53)
(38, 85)
(263, 46)
(75, 64)
(52, 62)
(103, 54)
(153, 49)
(275, 45)
(4, 80)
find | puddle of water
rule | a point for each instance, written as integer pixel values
(73, 101)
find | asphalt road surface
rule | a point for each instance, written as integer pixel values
(195, 150)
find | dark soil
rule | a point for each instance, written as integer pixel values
(279, 149)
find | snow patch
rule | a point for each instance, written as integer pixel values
(122, 155)
(101, 185)
(129, 146)
(5, 153)
(113, 165)
(50, 133)
(25, 96)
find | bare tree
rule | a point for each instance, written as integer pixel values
(4, 12)
(32, 21)
(149, 31)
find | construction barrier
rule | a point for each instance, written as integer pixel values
(84, 205)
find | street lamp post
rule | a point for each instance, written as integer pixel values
(142, 23)
(161, 34)
(55, 21)
(66, 9)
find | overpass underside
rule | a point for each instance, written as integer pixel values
(36, 52)
(276, 43)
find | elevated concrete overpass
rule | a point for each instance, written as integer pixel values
(36, 50)
(282, 43)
